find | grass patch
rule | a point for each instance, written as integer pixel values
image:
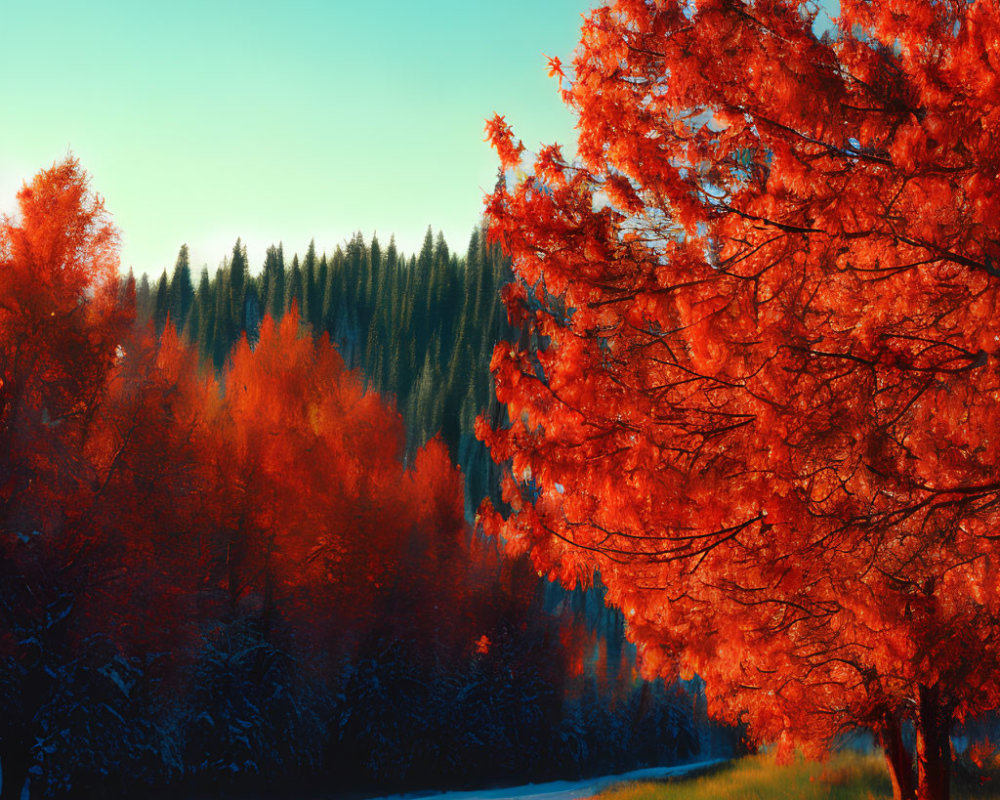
(846, 776)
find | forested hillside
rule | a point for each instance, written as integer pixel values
(230, 562)
(421, 332)
(421, 328)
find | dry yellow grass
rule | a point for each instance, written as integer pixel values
(846, 776)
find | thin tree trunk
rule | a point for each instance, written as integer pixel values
(898, 759)
(933, 746)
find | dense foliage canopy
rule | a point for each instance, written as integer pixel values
(758, 383)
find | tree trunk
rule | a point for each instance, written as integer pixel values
(933, 746)
(15, 761)
(898, 759)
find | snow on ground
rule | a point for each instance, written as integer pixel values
(565, 790)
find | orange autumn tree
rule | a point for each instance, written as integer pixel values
(304, 457)
(60, 323)
(148, 453)
(321, 520)
(758, 379)
(99, 427)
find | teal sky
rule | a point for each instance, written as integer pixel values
(203, 120)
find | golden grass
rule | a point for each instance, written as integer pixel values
(846, 776)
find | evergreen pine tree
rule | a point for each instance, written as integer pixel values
(161, 308)
(252, 313)
(311, 307)
(274, 268)
(322, 278)
(206, 316)
(192, 328)
(181, 291)
(375, 255)
(295, 288)
(333, 296)
(422, 277)
(239, 274)
(391, 255)
(223, 328)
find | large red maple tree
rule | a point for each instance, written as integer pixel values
(758, 382)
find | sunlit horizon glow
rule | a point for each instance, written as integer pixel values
(278, 122)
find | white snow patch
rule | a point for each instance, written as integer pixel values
(564, 790)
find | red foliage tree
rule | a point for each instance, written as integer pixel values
(60, 324)
(758, 383)
(148, 453)
(322, 521)
(305, 459)
(99, 427)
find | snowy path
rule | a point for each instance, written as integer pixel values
(565, 790)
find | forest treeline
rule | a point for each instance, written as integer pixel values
(421, 328)
(230, 563)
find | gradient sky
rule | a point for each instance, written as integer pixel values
(203, 120)
(200, 121)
